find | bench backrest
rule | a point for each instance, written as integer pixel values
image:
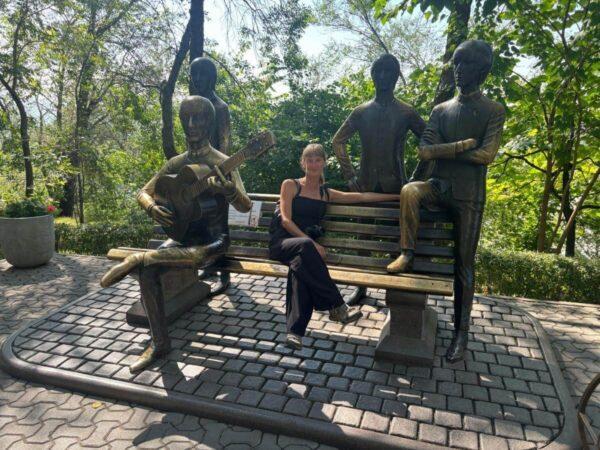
(358, 236)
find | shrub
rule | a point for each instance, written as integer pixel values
(537, 275)
(99, 238)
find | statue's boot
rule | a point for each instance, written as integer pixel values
(403, 263)
(220, 286)
(458, 346)
(148, 356)
(356, 296)
(121, 270)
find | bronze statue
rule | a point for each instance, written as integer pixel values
(461, 139)
(206, 239)
(203, 74)
(382, 125)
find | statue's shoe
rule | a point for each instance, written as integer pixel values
(345, 314)
(456, 351)
(403, 263)
(120, 271)
(148, 356)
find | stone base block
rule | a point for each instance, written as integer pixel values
(174, 307)
(408, 334)
(406, 350)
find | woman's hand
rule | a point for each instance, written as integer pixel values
(320, 249)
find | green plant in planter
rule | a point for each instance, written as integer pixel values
(29, 207)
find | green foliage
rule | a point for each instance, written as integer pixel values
(28, 207)
(98, 238)
(537, 275)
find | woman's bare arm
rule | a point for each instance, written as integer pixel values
(360, 197)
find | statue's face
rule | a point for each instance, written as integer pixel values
(203, 78)
(384, 76)
(468, 67)
(196, 122)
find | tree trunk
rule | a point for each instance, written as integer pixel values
(457, 32)
(197, 29)
(543, 222)
(166, 95)
(567, 209)
(576, 210)
(24, 131)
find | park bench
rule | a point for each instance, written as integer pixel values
(360, 240)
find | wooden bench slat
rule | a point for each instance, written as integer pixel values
(386, 230)
(442, 286)
(348, 275)
(420, 265)
(353, 244)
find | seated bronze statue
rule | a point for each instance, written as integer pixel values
(461, 139)
(205, 240)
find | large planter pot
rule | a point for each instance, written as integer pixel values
(27, 241)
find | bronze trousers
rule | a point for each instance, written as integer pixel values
(171, 254)
(466, 217)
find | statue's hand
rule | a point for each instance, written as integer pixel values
(467, 144)
(162, 215)
(219, 186)
(353, 184)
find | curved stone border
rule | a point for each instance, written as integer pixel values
(341, 436)
(568, 439)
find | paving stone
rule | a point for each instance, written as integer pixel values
(462, 405)
(447, 419)
(537, 434)
(464, 439)
(322, 411)
(250, 398)
(488, 442)
(508, 429)
(420, 413)
(375, 422)
(348, 416)
(478, 424)
(404, 427)
(298, 407)
(544, 419)
(273, 402)
(433, 433)
(517, 414)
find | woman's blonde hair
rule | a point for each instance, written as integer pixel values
(313, 150)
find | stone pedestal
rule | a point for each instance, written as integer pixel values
(408, 334)
(181, 290)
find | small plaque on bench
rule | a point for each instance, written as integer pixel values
(247, 219)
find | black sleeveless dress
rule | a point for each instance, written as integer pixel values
(309, 285)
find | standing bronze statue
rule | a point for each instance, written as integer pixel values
(203, 74)
(461, 139)
(207, 239)
(382, 125)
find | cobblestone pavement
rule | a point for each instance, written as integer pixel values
(34, 416)
(501, 396)
(574, 331)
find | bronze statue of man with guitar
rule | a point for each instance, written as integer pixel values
(190, 198)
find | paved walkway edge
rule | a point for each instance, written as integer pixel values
(568, 439)
(331, 434)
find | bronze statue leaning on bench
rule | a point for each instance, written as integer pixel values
(206, 239)
(461, 139)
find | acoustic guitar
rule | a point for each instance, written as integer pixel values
(179, 193)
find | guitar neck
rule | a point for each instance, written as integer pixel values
(226, 167)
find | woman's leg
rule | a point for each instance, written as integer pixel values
(302, 257)
(298, 305)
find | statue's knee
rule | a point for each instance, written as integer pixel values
(410, 193)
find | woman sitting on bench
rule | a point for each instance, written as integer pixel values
(293, 230)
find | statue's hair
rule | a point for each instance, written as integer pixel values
(205, 64)
(386, 59)
(313, 149)
(197, 104)
(484, 52)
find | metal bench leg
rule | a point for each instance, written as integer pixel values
(408, 334)
(181, 290)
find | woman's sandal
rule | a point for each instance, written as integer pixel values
(293, 341)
